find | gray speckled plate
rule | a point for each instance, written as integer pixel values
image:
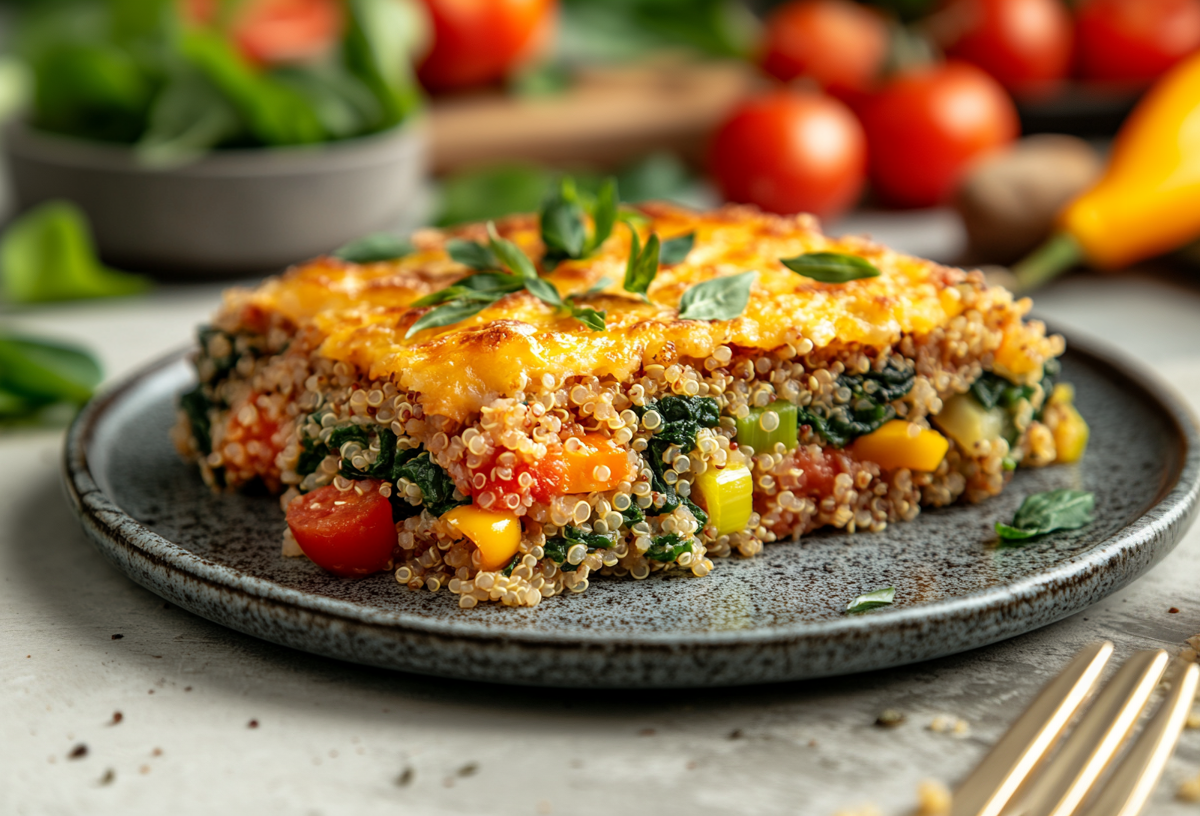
(775, 617)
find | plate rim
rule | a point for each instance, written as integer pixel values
(126, 542)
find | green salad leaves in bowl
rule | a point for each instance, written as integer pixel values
(222, 136)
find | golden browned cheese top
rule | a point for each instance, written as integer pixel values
(522, 344)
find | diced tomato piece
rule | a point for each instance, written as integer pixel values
(347, 533)
(542, 479)
(256, 433)
(595, 465)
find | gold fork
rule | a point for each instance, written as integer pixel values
(1021, 777)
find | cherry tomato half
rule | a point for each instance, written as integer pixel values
(838, 43)
(1024, 44)
(1133, 41)
(926, 126)
(479, 41)
(347, 533)
(790, 152)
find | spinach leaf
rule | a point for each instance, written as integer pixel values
(869, 405)
(45, 371)
(556, 548)
(991, 390)
(682, 419)
(492, 192)
(668, 547)
(189, 117)
(722, 298)
(374, 248)
(871, 600)
(47, 254)
(437, 488)
(831, 267)
(512, 565)
(382, 39)
(1044, 513)
(196, 406)
(676, 250)
(632, 515)
(90, 89)
(642, 266)
(312, 454)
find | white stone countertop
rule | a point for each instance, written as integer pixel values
(183, 716)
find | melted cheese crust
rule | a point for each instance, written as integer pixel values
(361, 312)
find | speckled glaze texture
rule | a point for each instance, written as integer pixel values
(775, 617)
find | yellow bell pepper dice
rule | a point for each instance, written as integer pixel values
(900, 444)
(728, 496)
(497, 536)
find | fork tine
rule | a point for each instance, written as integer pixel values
(1126, 792)
(989, 787)
(1095, 740)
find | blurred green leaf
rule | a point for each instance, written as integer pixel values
(543, 79)
(47, 254)
(131, 21)
(91, 90)
(659, 176)
(379, 246)
(189, 118)
(609, 30)
(43, 371)
(344, 105)
(273, 112)
(382, 39)
(492, 192)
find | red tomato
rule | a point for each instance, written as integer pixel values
(1133, 41)
(479, 41)
(543, 480)
(1025, 44)
(346, 533)
(926, 126)
(269, 32)
(790, 152)
(840, 44)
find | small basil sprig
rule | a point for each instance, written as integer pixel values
(642, 266)
(722, 298)
(1044, 513)
(872, 600)
(374, 248)
(474, 293)
(564, 231)
(831, 267)
(675, 250)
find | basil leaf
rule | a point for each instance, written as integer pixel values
(871, 600)
(544, 290)
(455, 293)
(47, 254)
(676, 250)
(831, 267)
(510, 255)
(472, 254)
(1044, 513)
(452, 312)
(563, 230)
(589, 317)
(722, 298)
(599, 286)
(41, 370)
(374, 248)
(604, 215)
(642, 266)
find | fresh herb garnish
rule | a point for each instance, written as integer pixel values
(871, 600)
(564, 231)
(642, 266)
(1044, 513)
(47, 254)
(831, 267)
(722, 298)
(668, 547)
(474, 293)
(676, 250)
(374, 248)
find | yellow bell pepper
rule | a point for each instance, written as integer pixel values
(728, 496)
(496, 535)
(900, 444)
(1148, 201)
(1072, 432)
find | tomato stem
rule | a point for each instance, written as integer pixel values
(1058, 254)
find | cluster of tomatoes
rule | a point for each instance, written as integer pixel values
(913, 130)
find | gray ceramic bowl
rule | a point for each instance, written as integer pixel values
(231, 212)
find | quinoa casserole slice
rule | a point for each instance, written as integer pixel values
(521, 452)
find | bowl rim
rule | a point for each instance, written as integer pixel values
(409, 139)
